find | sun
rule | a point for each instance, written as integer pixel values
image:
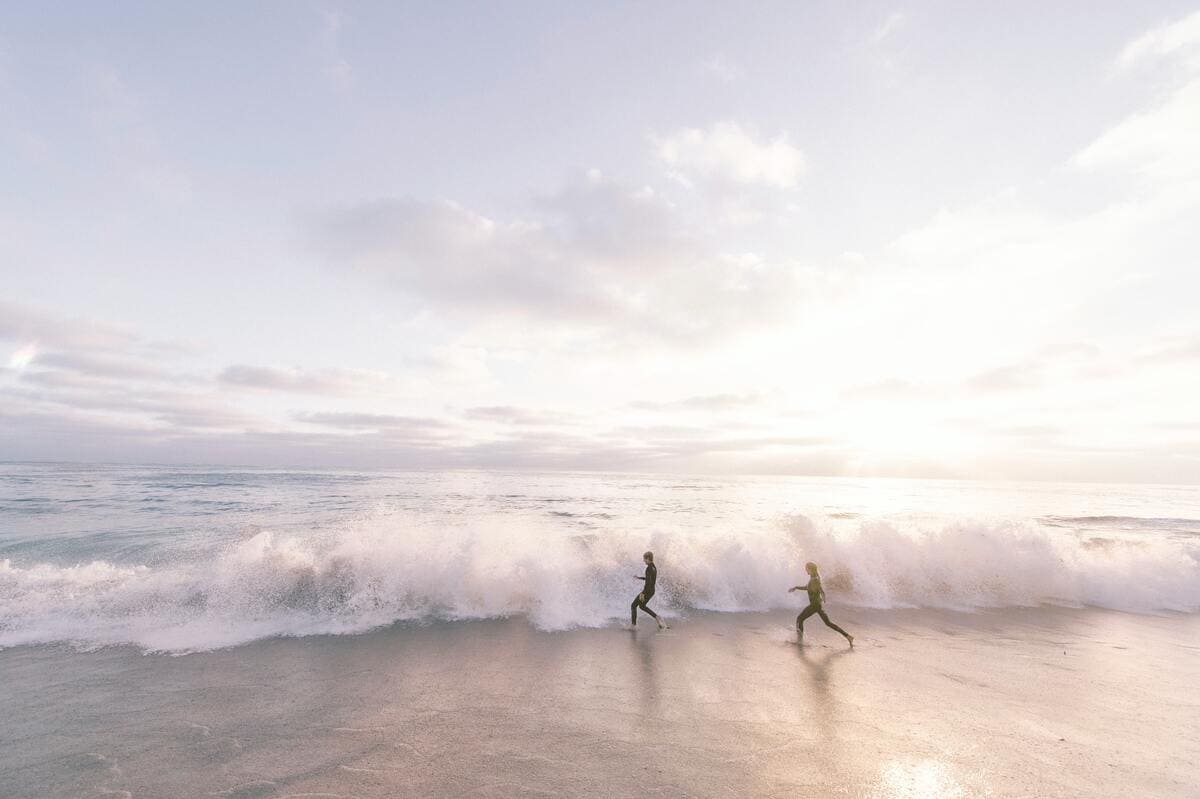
(894, 436)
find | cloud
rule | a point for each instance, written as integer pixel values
(728, 153)
(890, 389)
(82, 368)
(107, 377)
(706, 402)
(1179, 38)
(595, 257)
(952, 236)
(512, 415)
(118, 367)
(615, 227)
(29, 325)
(652, 449)
(149, 408)
(1005, 378)
(1181, 349)
(1160, 142)
(563, 262)
(683, 442)
(1039, 432)
(382, 422)
(336, 382)
(381, 440)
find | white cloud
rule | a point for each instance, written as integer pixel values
(1179, 38)
(707, 403)
(442, 248)
(953, 235)
(513, 415)
(1161, 143)
(595, 256)
(728, 153)
(412, 426)
(335, 382)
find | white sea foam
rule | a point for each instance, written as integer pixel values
(376, 573)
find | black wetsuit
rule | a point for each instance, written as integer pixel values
(816, 596)
(644, 597)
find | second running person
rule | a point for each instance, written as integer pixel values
(816, 601)
(642, 600)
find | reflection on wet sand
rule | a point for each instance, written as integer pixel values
(932, 705)
(817, 689)
(919, 779)
(898, 779)
(643, 644)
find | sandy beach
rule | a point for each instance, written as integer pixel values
(1045, 702)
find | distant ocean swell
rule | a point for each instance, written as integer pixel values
(373, 573)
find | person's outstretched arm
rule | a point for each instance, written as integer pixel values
(799, 587)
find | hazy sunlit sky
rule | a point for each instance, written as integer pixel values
(928, 239)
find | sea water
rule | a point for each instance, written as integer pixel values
(185, 559)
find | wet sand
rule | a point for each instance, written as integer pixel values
(1043, 702)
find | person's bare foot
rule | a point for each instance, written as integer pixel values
(850, 638)
(662, 625)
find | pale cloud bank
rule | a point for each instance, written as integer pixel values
(336, 382)
(412, 426)
(705, 403)
(39, 327)
(512, 415)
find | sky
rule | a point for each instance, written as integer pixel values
(926, 240)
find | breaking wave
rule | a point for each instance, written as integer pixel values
(373, 574)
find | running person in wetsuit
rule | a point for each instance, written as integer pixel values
(816, 597)
(643, 599)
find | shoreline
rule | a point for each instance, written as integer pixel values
(970, 617)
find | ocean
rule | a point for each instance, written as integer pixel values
(173, 559)
(196, 631)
